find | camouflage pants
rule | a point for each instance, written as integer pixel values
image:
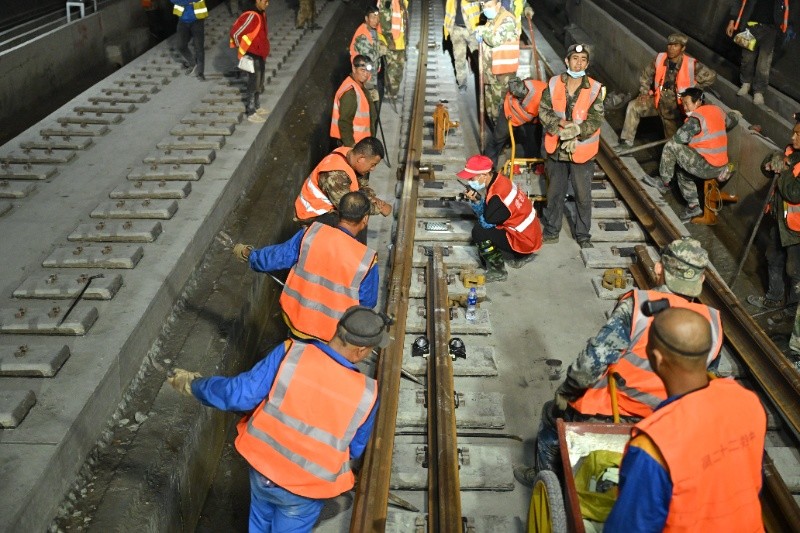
(463, 43)
(305, 13)
(794, 340)
(670, 117)
(495, 86)
(395, 65)
(686, 164)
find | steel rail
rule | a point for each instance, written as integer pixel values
(372, 493)
(766, 363)
(444, 488)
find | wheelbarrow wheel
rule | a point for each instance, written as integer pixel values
(547, 513)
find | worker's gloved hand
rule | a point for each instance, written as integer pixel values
(479, 36)
(373, 93)
(242, 252)
(776, 163)
(385, 208)
(528, 12)
(569, 131)
(570, 145)
(560, 401)
(181, 380)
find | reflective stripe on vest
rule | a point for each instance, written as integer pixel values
(587, 148)
(792, 211)
(298, 437)
(640, 390)
(312, 202)
(505, 57)
(397, 26)
(245, 40)
(177, 10)
(784, 25)
(523, 235)
(683, 79)
(470, 10)
(200, 9)
(361, 120)
(714, 460)
(712, 141)
(325, 281)
(519, 113)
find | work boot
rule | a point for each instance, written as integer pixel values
(255, 118)
(519, 262)
(744, 89)
(549, 239)
(525, 475)
(492, 261)
(623, 145)
(758, 98)
(656, 183)
(586, 244)
(762, 302)
(691, 212)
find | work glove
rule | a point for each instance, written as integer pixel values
(242, 252)
(385, 208)
(373, 93)
(560, 401)
(570, 131)
(479, 37)
(181, 380)
(776, 163)
(570, 145)
(528, 12)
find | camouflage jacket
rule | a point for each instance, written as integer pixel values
(386, 21)
(690, 128)
(788, 190)
(703, 77)
(550, 120)
(370, 49)
(336, 184)
(502, 29)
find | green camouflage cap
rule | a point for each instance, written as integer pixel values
(677, 38)
(684, 262)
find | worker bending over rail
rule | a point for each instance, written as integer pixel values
(310, 412)
(695, 463)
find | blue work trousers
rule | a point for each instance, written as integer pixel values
(273, 508)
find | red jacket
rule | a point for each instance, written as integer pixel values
(249, 34)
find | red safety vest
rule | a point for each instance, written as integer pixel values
(586, 148)
(361, 120)
(505, 56)
(245, 32)
(712, 141)
(299, 435)
(312, 202)
(683, 80)
(640, 390)
(523, 230)
(712, 441)
(519, 113)
(784, 22)
(325, 281)
(792, 211)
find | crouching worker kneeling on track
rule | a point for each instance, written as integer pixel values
(617, 353)
(310, 413)
(694, 464)
(507, 221)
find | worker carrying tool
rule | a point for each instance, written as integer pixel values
(618, 352)
(695, 464)
(520, 107)
(507, 221)
(310, 412)
(330, 271)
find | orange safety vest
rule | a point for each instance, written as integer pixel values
(784, 23)
(361, 120)
(519, 113)
(712, 141)
(792, 211)
(683, 80)
(505, 56)
(299, 435)
(364, 30)
(325, 281)
(587, 148)
(523, 230)
(712, 441)
(312, 202)
(397, 26)
(247, 39)
(640, 390)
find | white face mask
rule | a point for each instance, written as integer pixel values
(475, 184)
(489, 13)
(579, 74)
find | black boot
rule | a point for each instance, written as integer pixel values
(492, 261)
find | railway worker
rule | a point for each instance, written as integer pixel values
(571, 112)
(499, 40)
(337, 174)
(507, 221)
(783, 247)
(520, 107)
(354, 113)
(394, 24)
(250, 35)
(461, 17)
(368, 41)
(191, 27)
(621, 342)
(661, 82)
(698, 149)
(330, 270)
(306, 12)
(695, 464)
(310, 412)
(762, 19)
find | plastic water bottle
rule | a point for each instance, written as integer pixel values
(472, 305)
